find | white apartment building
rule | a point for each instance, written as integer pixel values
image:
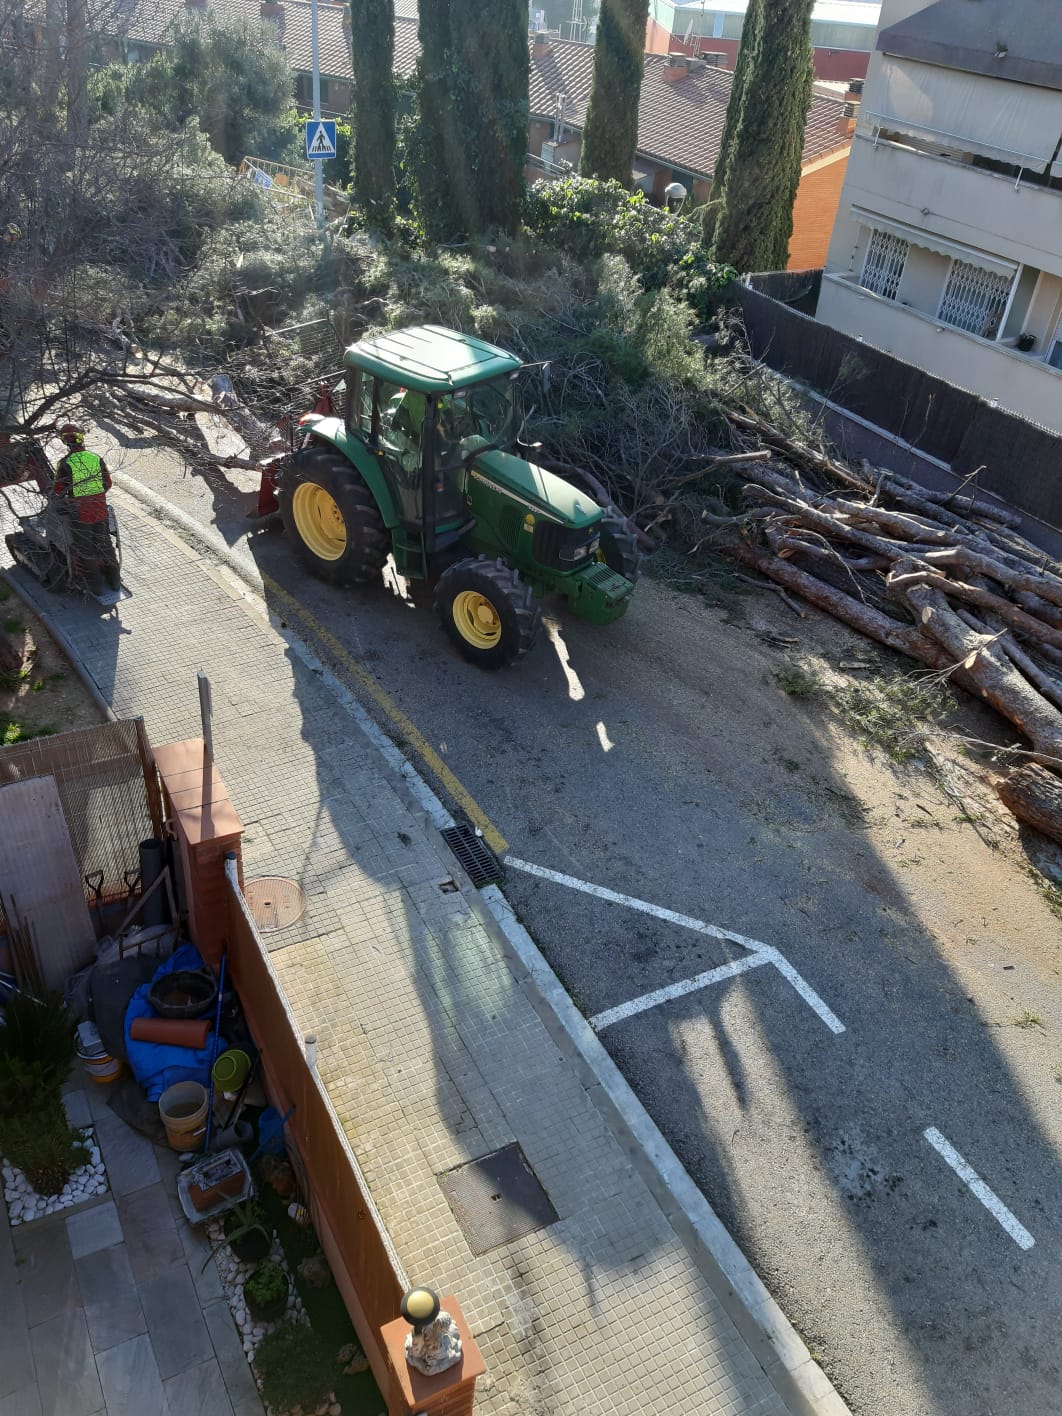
(947, 248)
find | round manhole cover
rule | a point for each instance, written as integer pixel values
(275, 902)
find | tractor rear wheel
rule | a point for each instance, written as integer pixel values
(487, 611)
(619, 547)
(332, 518)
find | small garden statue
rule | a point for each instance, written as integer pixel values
(434, 1344)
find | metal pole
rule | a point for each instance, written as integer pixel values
(318, 176)
(204, 713)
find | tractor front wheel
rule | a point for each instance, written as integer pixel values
(619, 547)
(332, 517)
(487, 611)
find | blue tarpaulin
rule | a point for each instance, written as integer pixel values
(157, 1065)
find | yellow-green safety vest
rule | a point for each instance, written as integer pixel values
(86, 474)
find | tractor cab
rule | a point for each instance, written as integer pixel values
(422, 466)
(425, 440)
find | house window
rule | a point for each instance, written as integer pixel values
(975, 299)
(883, 264)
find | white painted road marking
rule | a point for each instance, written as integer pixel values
(676, 990)
(764, 953)
(988, 1198)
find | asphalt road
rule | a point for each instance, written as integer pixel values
(658, 759)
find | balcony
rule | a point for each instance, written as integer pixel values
(967, 204)
(1019, 383)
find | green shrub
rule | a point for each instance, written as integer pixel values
(589, 219)
(267, 1284)
(37, 1049)
(295, 1367)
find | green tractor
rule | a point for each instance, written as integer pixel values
(422, 467)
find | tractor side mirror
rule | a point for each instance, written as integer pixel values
(545, 378)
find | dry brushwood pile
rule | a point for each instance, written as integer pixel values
(944, 578)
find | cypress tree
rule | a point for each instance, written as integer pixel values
(372, 48)
(466, 153)
(492, 89)
(751, 33)
(610, 136)
(761, 164)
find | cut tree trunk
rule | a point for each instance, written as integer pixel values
(985, 663)
(1034, 795)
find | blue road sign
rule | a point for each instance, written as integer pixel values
(320, 138)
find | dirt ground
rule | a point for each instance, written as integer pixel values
(46, 696)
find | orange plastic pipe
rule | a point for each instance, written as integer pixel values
(175, 1032)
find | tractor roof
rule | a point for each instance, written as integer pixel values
(430, 359)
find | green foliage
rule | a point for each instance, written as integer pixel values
(464, 136)
(610, 135)
(227, 73)
(759, 169)
(296, 1368)
(798, 681)
(37, 1049)
(892, 713)
(375, 107)
(589, 218)
(267, 1285)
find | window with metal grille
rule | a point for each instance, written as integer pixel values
(883, 264)
(975, 299)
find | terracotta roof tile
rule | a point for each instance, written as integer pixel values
(679, 123)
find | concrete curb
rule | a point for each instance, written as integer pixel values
(67, 650)
(772, 1338)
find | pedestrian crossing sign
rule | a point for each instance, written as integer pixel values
(320, 138)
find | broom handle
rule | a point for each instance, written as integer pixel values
(213, 1060)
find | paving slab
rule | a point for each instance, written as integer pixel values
(78, 1109)
(231, 1359)
(17, 1368)
(150, 1229)
(128, 1156)
(93, 1229)
(112, 1305)
(175, 1322)
(46, 1273)
(200, 1391)
(67, 1381)
(130, 1377)
(26, 1402)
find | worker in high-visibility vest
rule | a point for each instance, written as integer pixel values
(83, 479)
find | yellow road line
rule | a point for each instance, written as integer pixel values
(416, 740)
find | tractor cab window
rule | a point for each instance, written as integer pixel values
(359, 403)
(401, 418)
(484, 411)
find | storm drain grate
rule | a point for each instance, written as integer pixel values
(474, 856)
(497, 1199)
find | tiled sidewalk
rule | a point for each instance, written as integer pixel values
(107, 1309)
(431, 1050)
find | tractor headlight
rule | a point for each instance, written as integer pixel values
(581, 551)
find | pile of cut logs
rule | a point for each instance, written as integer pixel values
(943, 577)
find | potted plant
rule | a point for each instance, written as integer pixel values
(266, 1293)
(248, 1233)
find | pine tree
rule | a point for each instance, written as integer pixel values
(751, 33)
(761, 162)
(372, 47)
(610, 137)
